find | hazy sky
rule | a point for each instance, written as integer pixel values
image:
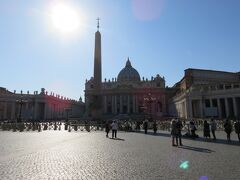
(159, 36)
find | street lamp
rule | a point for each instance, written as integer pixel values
(21, 101)
(67, 113)
(149, 100)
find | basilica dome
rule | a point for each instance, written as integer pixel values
(128, 74)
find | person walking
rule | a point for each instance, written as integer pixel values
(206, 129)
(155, 127)
(228, 129)
(213, 126)
(114, 129)
(179, 127)
(107, 128)
(237, 128)
(173, 131)
(193, 129)
(145, 126)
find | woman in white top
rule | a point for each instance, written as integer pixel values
(114, 128)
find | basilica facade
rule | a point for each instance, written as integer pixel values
(129, 94)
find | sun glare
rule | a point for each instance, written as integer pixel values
(65, 18)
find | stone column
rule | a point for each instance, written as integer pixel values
(35, 112)
(45, 111)
(112, 104)
(27, 105)
(115, 104)
(211, 105)
(202, 107)
(189, 108)
(128, 103)
(105, 104)
(134, 105)
(185, 109)
(219, 109)
(226, 107)
(5, 111)
(164, 108)
(137, 110)
(13, 110)
(121, 110)
(235, 107)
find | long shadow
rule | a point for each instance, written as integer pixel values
(153, 134)
(198, 149)
(218, 141)
(119, 139)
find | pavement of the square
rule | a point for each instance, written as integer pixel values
(90, 155)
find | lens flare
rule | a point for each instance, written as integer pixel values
(203, 178)
(184, 165)
(147, 10)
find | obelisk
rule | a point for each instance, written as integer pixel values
(97, 78)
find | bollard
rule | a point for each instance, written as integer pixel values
(75, 127)
(39, 128)
(66, 126)
(55, 127)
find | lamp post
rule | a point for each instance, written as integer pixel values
(67, 113)
(149, 100)
(20, 101)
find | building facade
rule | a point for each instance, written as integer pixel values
(129, 94)
(206, 93)
(37, 106)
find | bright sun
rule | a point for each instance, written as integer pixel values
(65, 18)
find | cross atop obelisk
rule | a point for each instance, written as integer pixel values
(98, 19)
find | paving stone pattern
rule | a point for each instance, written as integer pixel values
(83, 155)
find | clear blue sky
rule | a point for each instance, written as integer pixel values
(160, 37)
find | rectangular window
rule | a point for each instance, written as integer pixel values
(214, 102)
(207, 103)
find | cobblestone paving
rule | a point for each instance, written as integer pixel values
(82, 155)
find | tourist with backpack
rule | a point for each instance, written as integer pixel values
(237, 128)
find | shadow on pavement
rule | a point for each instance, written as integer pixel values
(153, 134)
(119, 139)
(198, 149)
(218, 141)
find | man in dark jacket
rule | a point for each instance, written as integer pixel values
(237, 128)
(145, 126)
(179, 127)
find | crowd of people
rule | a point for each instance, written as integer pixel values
(208, 129)
(176, 126)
